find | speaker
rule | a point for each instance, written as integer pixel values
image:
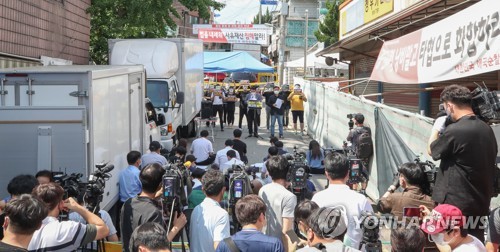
(206, 109)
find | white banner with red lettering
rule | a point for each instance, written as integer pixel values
(464, 44)
(243, 35)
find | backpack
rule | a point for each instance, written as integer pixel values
(365, 144)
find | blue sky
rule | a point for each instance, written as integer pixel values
(242, 11)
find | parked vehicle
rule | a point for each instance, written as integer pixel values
(174, 82)
(70, 118)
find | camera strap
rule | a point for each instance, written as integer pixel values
(231, 244)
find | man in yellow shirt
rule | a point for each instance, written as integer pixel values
(297, 99)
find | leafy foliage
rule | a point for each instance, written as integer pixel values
(266, 17)
(111, 19)
(328, 31)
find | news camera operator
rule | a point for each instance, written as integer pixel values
(144, 207)
(361, 145)
(64, 235)
(467, 149)
(416, 191)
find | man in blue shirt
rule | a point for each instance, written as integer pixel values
(251, 214)
(154, 156)
(130, 185)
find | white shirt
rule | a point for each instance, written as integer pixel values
(354, 204)
(151, 158)
(228, 164)
(280, 204)
(201, 147)
(58, 236)
(221, 157)
(217, 100)
(474, 246)
(196, 183)
(209, 223)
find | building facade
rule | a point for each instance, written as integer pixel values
(361, 40)
(57, 29)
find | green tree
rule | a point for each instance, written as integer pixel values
(328, 30)
(111, 19)
(266, 17)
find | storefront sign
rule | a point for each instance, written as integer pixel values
(464, 44)
(370, 10)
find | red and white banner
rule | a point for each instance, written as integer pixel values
(234, 35)
(464, 44)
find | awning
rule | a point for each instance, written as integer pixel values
(418, 15)
(219, 62)
(464, 44)
(316, 61)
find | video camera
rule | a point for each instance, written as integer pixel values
(370, 226)
(95, 186)
(351, 122)
(485, 103)
(298, 173)
(72, 184)
(239, 187)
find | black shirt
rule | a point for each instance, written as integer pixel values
(467, 150)
(242, 95)
(267, 95)
(272, 100)
(240, 146)
(136, 211)
(4, 247)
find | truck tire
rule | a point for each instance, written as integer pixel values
(192, 129)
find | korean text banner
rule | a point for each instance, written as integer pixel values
(244, 36)
(464, 44)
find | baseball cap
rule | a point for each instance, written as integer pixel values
(443, 217)
(155, 145)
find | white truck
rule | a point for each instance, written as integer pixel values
(174, 69)
(70, 118)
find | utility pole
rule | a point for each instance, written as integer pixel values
(281, 54)
(305, 46)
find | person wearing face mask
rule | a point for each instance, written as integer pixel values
(445, 227)
(326, 228)
(242, 94)
(275, 102)
(416, 191)
(218, 97)
(302, 212)
(230, 106)
(297, 99)
(467, 149)
(254, 103)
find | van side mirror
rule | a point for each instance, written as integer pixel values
(180, 98)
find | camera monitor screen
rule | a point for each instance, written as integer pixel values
(168, 186)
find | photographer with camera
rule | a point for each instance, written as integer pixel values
(232, 160)
(145, 208)
(64, 235)
(24, 215)
(361, 145)
(251, 214)
(416, 191)
(339, 194)
(326, 229)
(280, 202)
(467, 149)
(209, 223)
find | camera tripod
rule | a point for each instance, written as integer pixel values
(171, 209)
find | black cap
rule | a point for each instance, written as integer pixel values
(154, 146)
(198, 173)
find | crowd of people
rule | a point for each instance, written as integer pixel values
(275, 101)
(454, 215)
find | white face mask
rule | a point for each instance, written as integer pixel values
(276, 92)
